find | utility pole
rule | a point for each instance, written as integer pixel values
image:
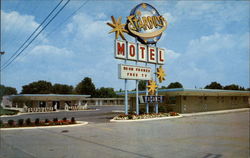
(1, 53)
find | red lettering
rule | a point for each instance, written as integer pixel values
(152, 54)
(132, 50)
(161, 59)
(142, 52)
(120, 48)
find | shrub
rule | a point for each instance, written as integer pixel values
(64, 119)
(55, 120)
(1, 123)
(37, 121)
(46, 120)
(11, 122)
(130, 116)
(28, 121)
(73, 120)
(20, 122)
(173, 114)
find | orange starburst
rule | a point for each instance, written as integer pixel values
(160, 74)
(118, 28)
(152, 87)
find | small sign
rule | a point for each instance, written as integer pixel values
(151, 99)
(131, 72)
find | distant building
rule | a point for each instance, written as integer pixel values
(197, 100)
(52, 102)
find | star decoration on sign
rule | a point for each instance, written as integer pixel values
(152, 87)
(160, 74)
(138, 13)
(144, 5)
(118, 28)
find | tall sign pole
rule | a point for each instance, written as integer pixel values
(136, 84)
(146, 25)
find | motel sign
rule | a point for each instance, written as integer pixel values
(139, 52)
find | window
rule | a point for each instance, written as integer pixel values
(184, 98)
(172, 100)
(205, 98)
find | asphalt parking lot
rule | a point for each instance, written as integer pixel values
(102, 115)
(206, 136)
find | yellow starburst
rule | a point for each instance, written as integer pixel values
(144, 5)
(138, 13)
(118, 28)
(152, 87)
(160, 74)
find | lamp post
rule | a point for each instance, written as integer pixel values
(1, 53)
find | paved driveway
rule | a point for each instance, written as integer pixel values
(207, 136)
(102, 115)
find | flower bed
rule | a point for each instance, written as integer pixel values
(37, 122)
(144, 116)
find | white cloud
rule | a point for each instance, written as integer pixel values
(169, 18)
(215, 14)
(216, 57)
(50, 50)
(14, 21)
(17, 28)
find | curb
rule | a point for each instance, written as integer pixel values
(79, 123)
(151, 119)
(26, 113)
(215, 112)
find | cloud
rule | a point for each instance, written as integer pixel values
(216, 57)
(14, 21)
(169, 18)
(218, 15)
(16, 28)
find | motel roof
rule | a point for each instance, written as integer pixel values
(194, 92)
(47, 97)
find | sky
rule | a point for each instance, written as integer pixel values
(205, 41)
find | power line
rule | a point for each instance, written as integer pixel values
(83, 4)
(32, 33)
(36, 35)
(65, 20)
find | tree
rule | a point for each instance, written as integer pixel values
(7, 91)
(86, 86)
(62, 89)
(232, 87)
(174, 85)
(142, 85)
(163, 87)
(39, 87)
(214, 85)
(105, 93)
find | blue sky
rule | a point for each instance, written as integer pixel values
(205, 41)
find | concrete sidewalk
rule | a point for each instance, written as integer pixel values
(216, 112)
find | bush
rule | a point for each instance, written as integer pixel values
(55, 120)
(11, 122)
(37, 121)
(46, 120)
(1, 123)
(73, 120)
(20, 122)
(64, 119)
(173, 114)
(28, 121)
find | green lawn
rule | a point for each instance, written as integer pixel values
(7, 112)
